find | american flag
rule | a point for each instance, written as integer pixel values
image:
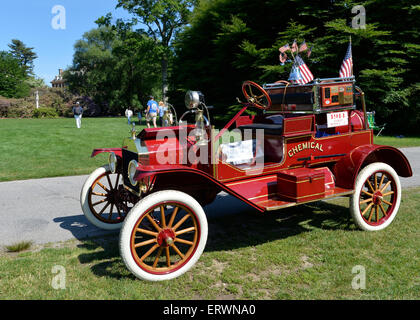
(294, 46)
(303, 46)
(347, 65)
(308, 53)
(300, 73)
(283, 58)
(284, 48)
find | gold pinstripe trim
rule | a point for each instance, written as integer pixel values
(311, 195)
(262, 196)
(249, 180)
(315, 179)
(297, 137)
(297, 119)
(342, 135)
(332, 136)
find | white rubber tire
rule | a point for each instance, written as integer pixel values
(136, 213)
(364, 174)
(84, 201)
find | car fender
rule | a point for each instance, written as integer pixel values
(347, 169)
(117, 151)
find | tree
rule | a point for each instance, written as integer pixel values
(114, 65)
(229, 41)
(163, 19)
(25, 55)
(138, 68)
(12, 77)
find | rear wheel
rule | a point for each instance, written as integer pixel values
(376, 198)
(163, 236)
(104, 200)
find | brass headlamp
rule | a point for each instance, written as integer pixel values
(194, 100)
(200, 132)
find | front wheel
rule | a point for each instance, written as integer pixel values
(163, 236)
(376, 198)
(104, 200)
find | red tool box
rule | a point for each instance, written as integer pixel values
(301, 185)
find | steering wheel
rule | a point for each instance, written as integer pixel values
(256, 95)
(283, 81)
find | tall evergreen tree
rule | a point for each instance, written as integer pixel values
(24, 54)
(12, 77)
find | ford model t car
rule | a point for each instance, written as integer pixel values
(306, 143)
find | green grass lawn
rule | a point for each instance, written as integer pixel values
(305, 252)
(37, 148)
(397, 142)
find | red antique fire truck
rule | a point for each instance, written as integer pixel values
(306, 143)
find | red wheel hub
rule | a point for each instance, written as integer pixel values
(166, 237)
(377, 197)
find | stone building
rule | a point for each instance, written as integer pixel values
(58, 81)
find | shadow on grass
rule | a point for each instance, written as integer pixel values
(243, 229)
(252, 228)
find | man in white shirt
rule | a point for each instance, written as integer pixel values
(78, 111)
(128, 114)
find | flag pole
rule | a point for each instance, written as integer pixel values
(292, 54)
(291, 51)
(351, 58)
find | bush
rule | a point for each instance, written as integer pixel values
(4, 107)
(55, 103)
(15, 108)
(43, 112)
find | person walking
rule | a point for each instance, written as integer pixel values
(128, 114)
(152, 110)
(147, 118)
(163, 114)
(78, 112)
(139, 116)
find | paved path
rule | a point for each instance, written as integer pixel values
(48, 210)
(413, 155)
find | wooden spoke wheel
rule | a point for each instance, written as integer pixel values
(377, 197)
(256, 95)
(104, 200)
(163, 235)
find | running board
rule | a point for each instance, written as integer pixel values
(271, 192)
(275, 203)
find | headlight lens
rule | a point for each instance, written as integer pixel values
(112, 161)
(132, 167)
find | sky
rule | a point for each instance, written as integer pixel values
(39, 26)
